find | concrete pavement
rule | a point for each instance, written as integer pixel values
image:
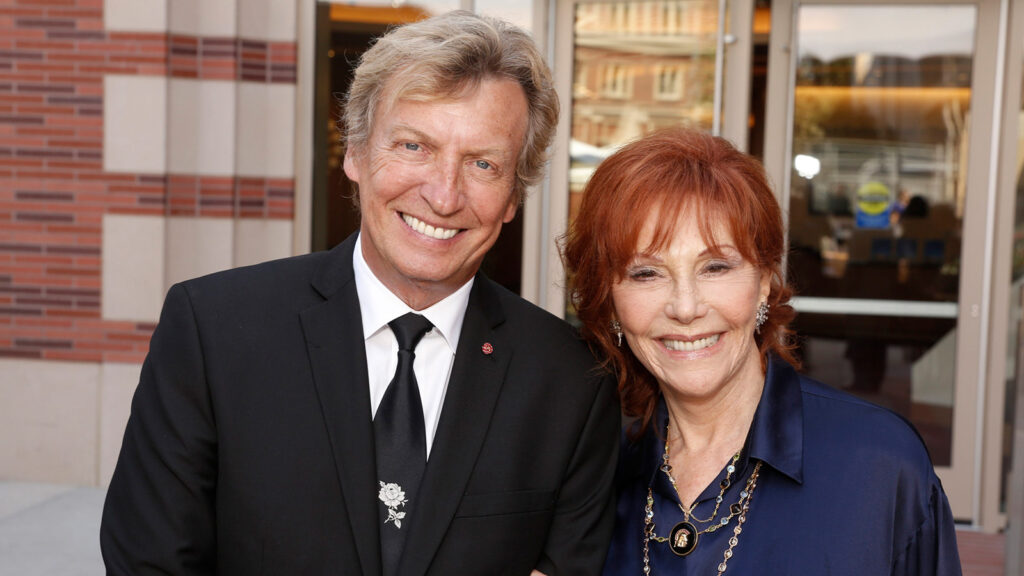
(49, 530)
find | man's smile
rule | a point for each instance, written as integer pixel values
(428, 230)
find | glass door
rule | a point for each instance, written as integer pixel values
(884, 178)
(625, 69)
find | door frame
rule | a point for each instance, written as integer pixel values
(963, 480)
(735, 109)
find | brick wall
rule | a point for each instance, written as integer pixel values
(54, 192)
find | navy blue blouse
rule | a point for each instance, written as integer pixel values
(845, 487)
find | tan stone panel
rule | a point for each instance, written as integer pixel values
(48, 421)
(133, 267)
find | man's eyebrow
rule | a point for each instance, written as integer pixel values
(401, 130)
(404, 130)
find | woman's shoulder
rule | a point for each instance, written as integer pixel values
(864, 430)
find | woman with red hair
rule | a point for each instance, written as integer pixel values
(734, 460)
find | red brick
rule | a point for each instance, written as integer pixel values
(105, 325)
(46, 2)
(49, 259)
(68, 313)
(96, 24)
(25, 33)
(58, 143)
(75, 229)
(130, 337)
(81, 82)
(74, 121)
(23, 78)
(14, 353)
(17, 98)
(80, 14)
(44, 67)
(152, 70)
(135, 358)
(107, 69)
(45, 131)
(106, 345)
(73, 355)
(25, 142)
(143, 211)
(95, 89)
(44, 45)
(41, 321)
(79, 165)
(24, 11)
(65, 271)
(46, 110)
(22, 162)
(137, 37)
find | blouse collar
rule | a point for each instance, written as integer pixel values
(775, 436)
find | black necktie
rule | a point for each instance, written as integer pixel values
(400, 441)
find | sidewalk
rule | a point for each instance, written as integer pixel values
(48, 530)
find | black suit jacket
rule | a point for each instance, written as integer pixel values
(250, 447)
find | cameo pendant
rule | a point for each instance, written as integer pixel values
(683, 538)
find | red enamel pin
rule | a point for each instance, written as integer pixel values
(487, 348)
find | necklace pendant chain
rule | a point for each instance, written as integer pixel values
(684, 535)
(688, 515)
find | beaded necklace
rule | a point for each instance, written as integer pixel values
(677, 535)
(685, 535)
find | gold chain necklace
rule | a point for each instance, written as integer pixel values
(678, 536)
(684, 535)
(723, 486)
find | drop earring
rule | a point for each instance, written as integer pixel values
(617, 330)
(761, 318)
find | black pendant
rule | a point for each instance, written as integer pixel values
(682, 539)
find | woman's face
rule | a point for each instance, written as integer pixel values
(688, 311)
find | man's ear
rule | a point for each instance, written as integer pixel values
(352, 164)
(510, 210)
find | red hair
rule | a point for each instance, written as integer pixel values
(663, 174)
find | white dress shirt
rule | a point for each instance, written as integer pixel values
(435, 353)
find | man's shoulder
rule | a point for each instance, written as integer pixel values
(540, 331)
(260, 284)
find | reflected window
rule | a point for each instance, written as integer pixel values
(881, 115)
(638, 66)
(668, 82)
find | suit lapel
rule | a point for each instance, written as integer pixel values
(334, 341)
(473, 389)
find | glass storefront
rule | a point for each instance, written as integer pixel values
(638, 67)
(876, 202)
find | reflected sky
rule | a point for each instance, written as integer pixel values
(432, 6)
(830, 32)
(518, 12)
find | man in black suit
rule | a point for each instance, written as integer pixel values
(283, 424)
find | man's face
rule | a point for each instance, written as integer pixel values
(436, 183)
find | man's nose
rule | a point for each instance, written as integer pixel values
(443, 191)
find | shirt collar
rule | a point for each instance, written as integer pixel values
(378, 305)
(777, 432)
(775, 436)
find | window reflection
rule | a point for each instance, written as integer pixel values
(638, 67)
(881, 118)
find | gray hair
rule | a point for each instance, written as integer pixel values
(442, 56)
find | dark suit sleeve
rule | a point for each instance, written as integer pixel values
(158, 517)
(584, 514)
